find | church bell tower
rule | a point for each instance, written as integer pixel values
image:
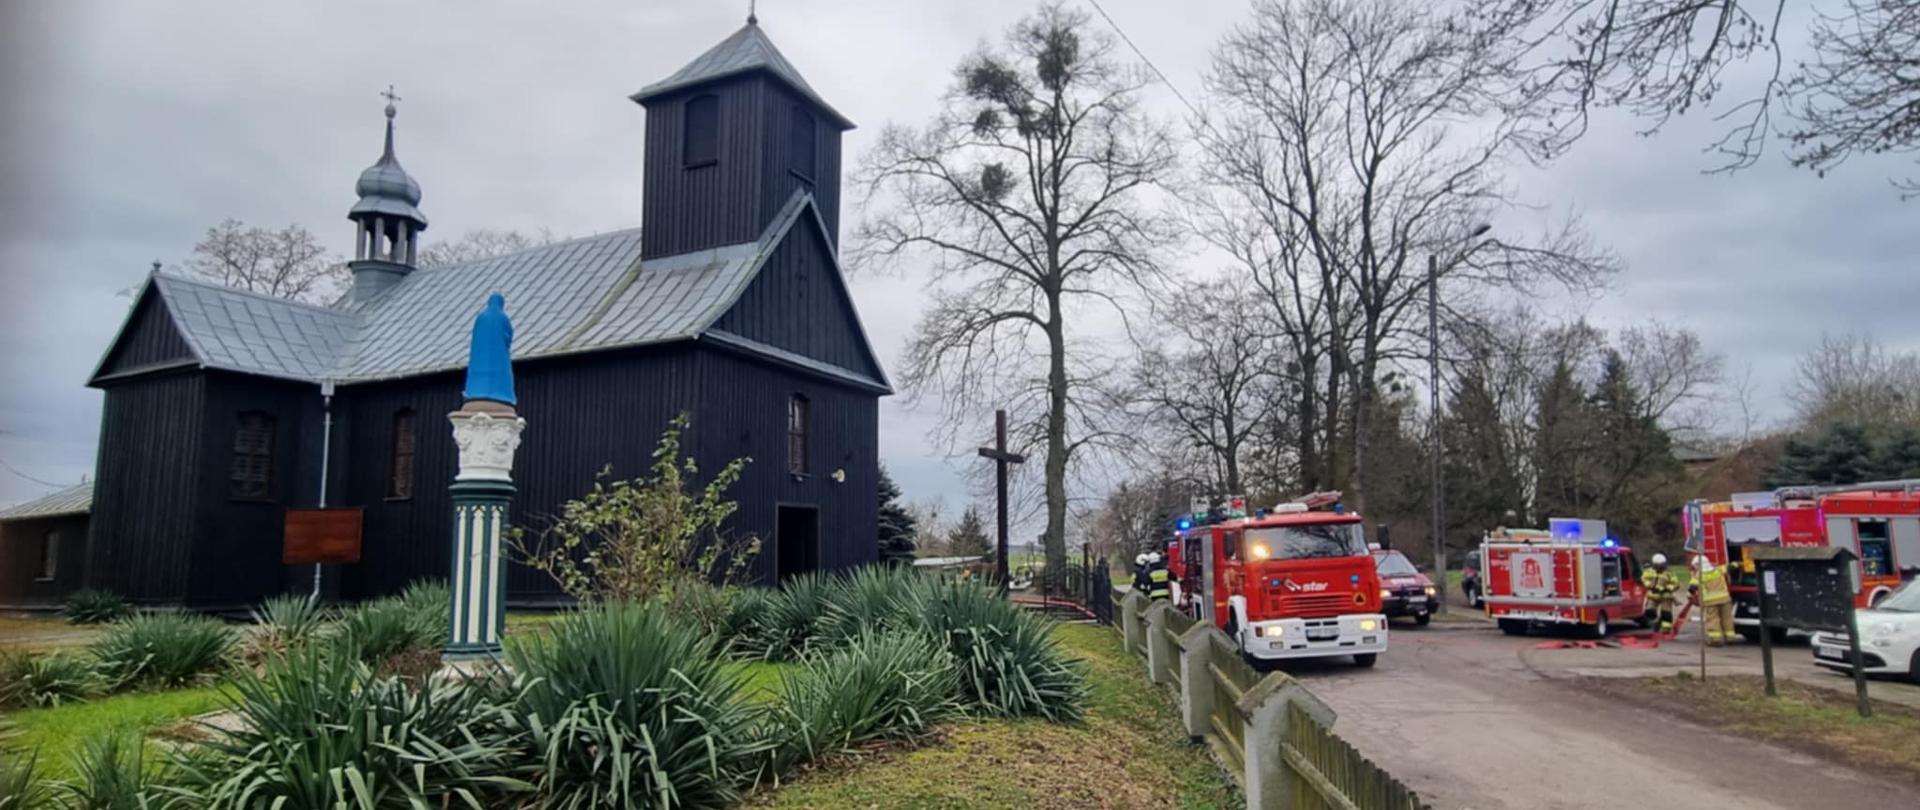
(730, 138)
(387, 222)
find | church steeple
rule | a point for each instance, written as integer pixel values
(387, 220)
(731, 137)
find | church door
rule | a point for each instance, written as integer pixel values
(797, 540)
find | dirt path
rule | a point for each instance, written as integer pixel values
(1455, 712)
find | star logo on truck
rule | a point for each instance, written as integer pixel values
(1306, 587)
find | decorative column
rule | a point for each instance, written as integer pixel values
(487, 431)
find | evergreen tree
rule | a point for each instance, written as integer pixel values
(1898, 456)
(1560, 441)
(1482, 477)
(1630, 456)
(969, 538)
(897, 526)
(1841, 454)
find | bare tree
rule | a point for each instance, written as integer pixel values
(482, 243)
(1861, 92)
(1338, 129)
(1852, 379)
(286, 263)
(1026, 190)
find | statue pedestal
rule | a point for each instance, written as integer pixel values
(487, 434)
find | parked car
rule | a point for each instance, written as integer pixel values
(1470, 580)
(1889, 638)
(1404, 591)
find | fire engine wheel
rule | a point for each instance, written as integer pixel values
(1513, 627)
(1600, 628)
(1366, 660)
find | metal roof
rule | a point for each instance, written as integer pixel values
(580, 295)
(74, 500)
(748, 49)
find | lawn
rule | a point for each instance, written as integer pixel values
(1130, 753)
(57, 732)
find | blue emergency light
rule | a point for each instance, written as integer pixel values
(1609, 543)
(1184, 524)
(1355, 579)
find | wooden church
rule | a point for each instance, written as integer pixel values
(225, 409)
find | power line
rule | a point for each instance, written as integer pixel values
(9, 468)
(1143, 57)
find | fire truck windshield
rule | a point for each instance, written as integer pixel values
(1305, 541)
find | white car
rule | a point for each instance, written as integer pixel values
(1889, 638)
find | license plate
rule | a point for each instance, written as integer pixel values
(1830, 653)
(1418, 600)
(1323, 635)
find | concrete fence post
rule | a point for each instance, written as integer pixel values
(1196, 682)
(1159, 644)
(1130, 624)
(1270, 781)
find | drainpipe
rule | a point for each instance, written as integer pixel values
(326, 456)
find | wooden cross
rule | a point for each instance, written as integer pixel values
(1001, 458)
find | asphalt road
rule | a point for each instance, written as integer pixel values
(1475, 720)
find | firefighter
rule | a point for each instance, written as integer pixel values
(1661, 585)
(1141, 581)
(1709, 586)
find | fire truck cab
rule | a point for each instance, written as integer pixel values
(1294, 582)
(1573, 574)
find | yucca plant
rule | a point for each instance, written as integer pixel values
(791, 623)
(23, 785)
(29, 679)
(112, 773)
(746, 613)
(885, 686)
(387, 629)
(162, 649)
(281, 623)
(94, 606)
(1009, 663)
(318, 730)
(625, 707)
(871, 599)
(431, 602)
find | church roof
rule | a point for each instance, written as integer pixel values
(747, 50)
(74, 500)
(581, 295)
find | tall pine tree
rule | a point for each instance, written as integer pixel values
(897, 526)
(969, 537)
(1482, 477)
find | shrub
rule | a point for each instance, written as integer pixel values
(884, 686)
(23, 786)
(869, 600)
(280, 624)
(1009, 663)
(27, 679)
(162, 649)
(320, 730)
(745, 615)
(112, 774)
(385, 632)
(94, 606)
(791, 623)
(432, 602)
(626, 707)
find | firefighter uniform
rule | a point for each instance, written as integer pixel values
(1710, 583)
(1661, 584)
(1159, 583)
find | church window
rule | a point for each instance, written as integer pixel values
(700, 134)
(799, 413)
(49, 556)
(252, 475)
(802, 144)
(400, 463)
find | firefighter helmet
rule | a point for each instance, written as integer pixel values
(1659, 559)
(1140, 560)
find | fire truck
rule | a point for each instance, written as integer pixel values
(1878, 520)
(1573, 574)
(1296, 581)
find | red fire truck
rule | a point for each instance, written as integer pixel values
(1573, 574)
(1731, 530)
(1294, 582)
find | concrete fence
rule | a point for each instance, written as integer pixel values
(1274, 735)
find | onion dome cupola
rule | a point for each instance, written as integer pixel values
(731, 137)
(388, 218)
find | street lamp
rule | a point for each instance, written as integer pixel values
(1433, 394)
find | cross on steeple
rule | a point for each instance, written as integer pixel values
(389, 95)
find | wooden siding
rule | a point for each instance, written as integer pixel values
(780, 179)
(797, 303)
(150, 339)
(237, 542)
(144, 509)
(21, 543)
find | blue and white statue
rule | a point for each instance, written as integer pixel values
(490, 360)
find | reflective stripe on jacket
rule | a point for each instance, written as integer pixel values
(1660, 585)
(1713, 586)
(1160, 588)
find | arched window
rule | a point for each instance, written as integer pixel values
(801, 142)
(400, 461)
(252, 474)
(799, 413)
(700, 131)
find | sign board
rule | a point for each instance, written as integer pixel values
(1694, 519)
(1531, 574)
(1577, 530)
(322, 536)
(1806, 588)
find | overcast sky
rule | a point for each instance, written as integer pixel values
(129, 127)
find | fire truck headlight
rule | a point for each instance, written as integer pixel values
(1259, 551)
(1368, 625)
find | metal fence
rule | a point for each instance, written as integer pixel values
(1273, 734)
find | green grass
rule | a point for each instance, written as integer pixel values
(59, 731)
(1129, 753)
(763, 679)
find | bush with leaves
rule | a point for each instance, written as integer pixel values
(319, 729)
(790, 625)
(94, 606)
(31, 679)
(23, 783)
(163, 650)
(870, 599)
(1010, 664)
(631, 541)
(626, 707)
(282, 623)
(113, 772)
(399, 634)
(880, 686)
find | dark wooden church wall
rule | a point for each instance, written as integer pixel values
(237, 545)
(150, 339)
(21, 543)
(403, 539)
(751, 395)
(144, 505)
(706, 206)
(781, 176)
(797, 304)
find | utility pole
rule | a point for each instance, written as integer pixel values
(1433, 432)
(1001, 459)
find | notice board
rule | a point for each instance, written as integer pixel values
(322, 536)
